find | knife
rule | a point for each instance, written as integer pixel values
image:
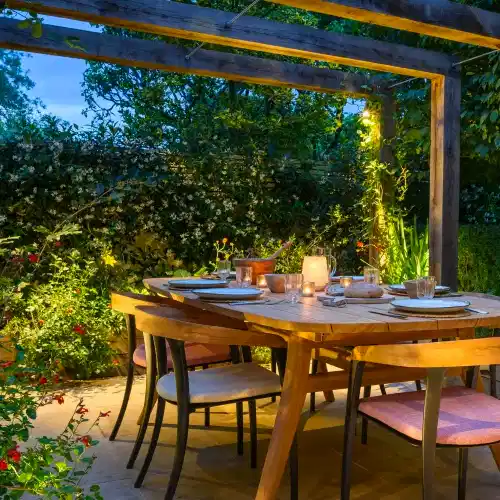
(391, 315)
(477, 311)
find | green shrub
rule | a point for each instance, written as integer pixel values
(67, 320)
(479, 259)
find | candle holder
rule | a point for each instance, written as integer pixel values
(315, 270)
(345, 281)
(371, 275)
(261, 281)
(308, 289)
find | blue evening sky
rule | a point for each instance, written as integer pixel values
(58, 80)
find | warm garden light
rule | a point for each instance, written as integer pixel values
(315, 270)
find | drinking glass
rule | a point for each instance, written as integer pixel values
(223, 269)
(371, 275)
(426, 287)
(293, 287)
(332, 264)
(243, 276)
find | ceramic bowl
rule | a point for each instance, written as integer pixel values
(276, 282)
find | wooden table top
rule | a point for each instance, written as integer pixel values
(311, 317)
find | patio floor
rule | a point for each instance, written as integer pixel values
(387, 467)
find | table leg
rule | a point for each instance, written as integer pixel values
(322, 368)
(290, 407)
(468, 333)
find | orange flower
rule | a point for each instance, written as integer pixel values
(41, 322)
(104, 413)
(224, 240)
(116, 362)
(82, 410)
(59, 398)
(360, 244)
(86, 440)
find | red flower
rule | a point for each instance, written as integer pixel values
(41, 322)
(104, 413)
(59, 398)
(3, 464)
(17, 260)
(82, 410)
(6, 364)
(14, 455)
(56, 378)
(360, 244)
(33, 258)
(58, 244)
(79, 329)
(77, 291)
(86, 440)
(42, 381)
(116, 362)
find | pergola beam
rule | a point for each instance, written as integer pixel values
(208, 25)
(158, 55)
(437, 18)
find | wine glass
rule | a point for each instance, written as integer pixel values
(332, 264)
(243, 276)
(223, 269)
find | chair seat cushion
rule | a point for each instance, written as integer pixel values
(196, 354)
(224, 383)
(466, 417)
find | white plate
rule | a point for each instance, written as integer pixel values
(229, 293)
(402, 288)
(430, 305)
(197, 283)
(336, 279)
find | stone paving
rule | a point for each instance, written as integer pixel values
(388, 467)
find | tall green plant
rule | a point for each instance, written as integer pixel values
(407, 252)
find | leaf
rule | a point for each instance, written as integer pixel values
(31, 412)
(24, 24)
(72, 41)
(61, 466)
(37, 30)
(25, 477)
(494, 116)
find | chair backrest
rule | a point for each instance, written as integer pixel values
(203, 328)
(450, 354)
(126, 302)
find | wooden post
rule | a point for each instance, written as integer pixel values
(445, 179)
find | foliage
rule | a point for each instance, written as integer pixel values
(52, 467)
(479, 259)
(67, 320)
(407, 252)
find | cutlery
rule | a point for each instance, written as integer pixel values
(390, 314)
(477, 311)
(251, 302)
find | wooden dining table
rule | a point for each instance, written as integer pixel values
(313, 330)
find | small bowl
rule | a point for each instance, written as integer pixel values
(411, 288)
(276, 282)
(259, 266)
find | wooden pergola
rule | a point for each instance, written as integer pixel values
(439, 18)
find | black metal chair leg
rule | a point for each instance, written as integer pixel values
(493, 381)
(463, 457)
(239, 428)
(293, 461)
(148, 400)
(382, 389)
(418, 383)
(160, 411)
(252, 412)
(364, 421)
(312, 400)
(207, 410)
(130, 374)
(355, 377)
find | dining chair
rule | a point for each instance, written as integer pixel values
(197, 355)
(451, 417)
(188, 390)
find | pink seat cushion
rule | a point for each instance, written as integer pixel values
(466, 417)
(196, 354)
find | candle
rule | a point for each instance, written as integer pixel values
(315, 270)
(345, 281)
(261, 281)
(308, 289)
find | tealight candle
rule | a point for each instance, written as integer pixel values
(308, 289)
(345, 281)
(261, 281)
